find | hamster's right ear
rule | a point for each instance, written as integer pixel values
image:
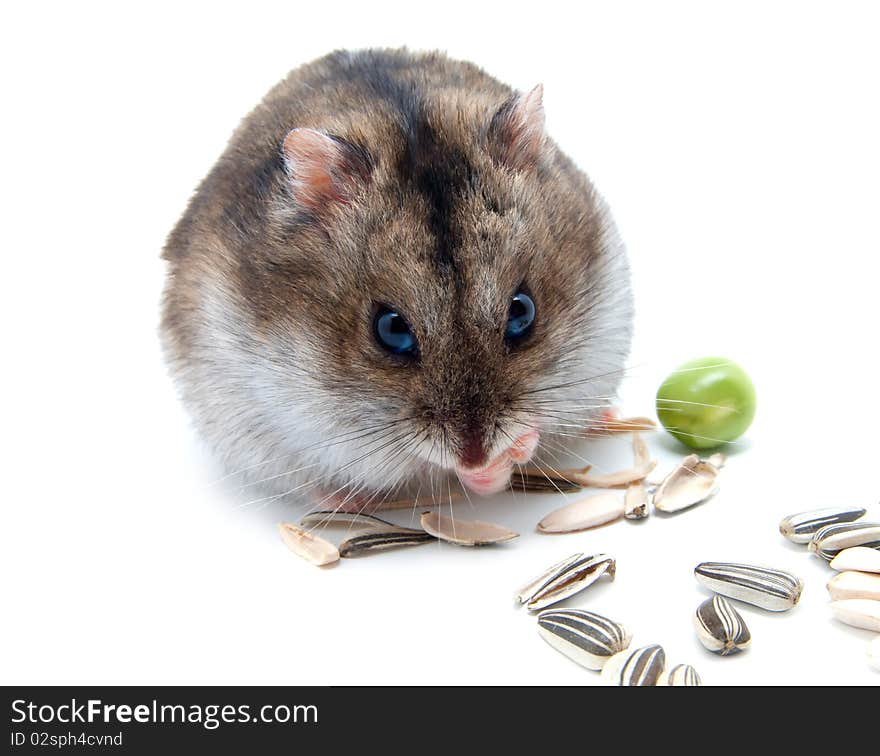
(324, 169)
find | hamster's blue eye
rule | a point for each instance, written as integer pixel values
(393, 332)
(520, 317)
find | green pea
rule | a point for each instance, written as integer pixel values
(707, 402)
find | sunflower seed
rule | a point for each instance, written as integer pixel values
(800, 527)
(525, 593)
(379, 540)
(829, 541)
(571, 579)
(858, 613)
(717, 460)
(635, 503)
(854, 585)
(307, 545)
(528, 479)
(641, 455)
(589, 512)
(331, 517)
(465, 532)
(412, 504)
(858, 558)
(684, 675)
(627, 425)
(874, 653)
(762, 586)
(584, 637)
(692, 482)
(720, 627)
(644, 666)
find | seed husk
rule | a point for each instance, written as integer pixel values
(331, 517)
(570, 579)
(717, 460)
(528, 591)
(829, 541)
(691, 483)
(644, 666)
(800, 527)
(412, 504)
(584, 637)
(635, 503)
(854, 585)
(627, 425)
(307, 545)
(380, 540)
(766, 587)
(858, 558)
(863, 613)
(720, 627)
(465, 532)
(684, 675)
(874, 653)
(530, 479)
(589, 512)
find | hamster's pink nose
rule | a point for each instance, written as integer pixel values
(495, 476)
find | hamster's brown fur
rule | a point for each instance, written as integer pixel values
(442, 198)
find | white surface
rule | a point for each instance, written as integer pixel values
(739, 151)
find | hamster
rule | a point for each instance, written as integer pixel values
(392, 279)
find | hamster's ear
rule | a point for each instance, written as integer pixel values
(323, 169)
(516, 132)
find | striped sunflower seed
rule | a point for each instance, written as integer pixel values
(858, 558)
(684, 675)
(528, 479)
(524, 594)
(720, 627)
(331, 517)
(854, 585)
(644, 666)
(829, 541)
(768, 588)
(800, 527)
(863, 613)
(584, 637)
(571, 578)
(379, 540)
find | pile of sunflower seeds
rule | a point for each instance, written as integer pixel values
(851, 546)
(590, 639)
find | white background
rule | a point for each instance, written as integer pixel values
(738, 147)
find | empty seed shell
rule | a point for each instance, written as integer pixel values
(641, 455)
(829, 541)
(768, 588)
(718, 460)
(331, 517)
(589, 512)
(527, 592)
(635, 503)
(720, 627)
(627, 425)
(874, 653)
(465, 532)
(310, 547)
(863, 613)
(572, 579)
(692, 482)
(529, 479)
(379, 540)
(684, 675)
(800, 527)
(584, 637)
(644, 666)
(858, 558)
(854, 585)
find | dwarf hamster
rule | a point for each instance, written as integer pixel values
(392, 278)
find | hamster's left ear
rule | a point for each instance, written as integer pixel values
(516, 132)
(324, 169)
